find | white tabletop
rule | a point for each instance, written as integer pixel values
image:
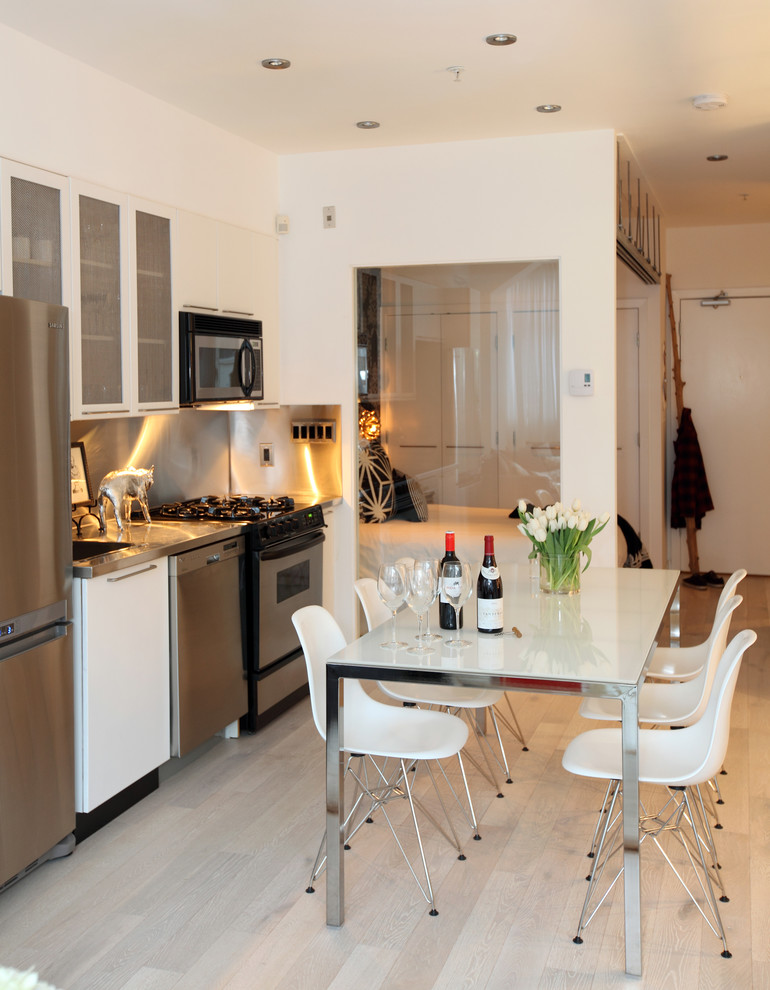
(601, 637)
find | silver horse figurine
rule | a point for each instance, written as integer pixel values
(120, 488)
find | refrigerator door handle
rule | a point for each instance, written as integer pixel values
(34, 639)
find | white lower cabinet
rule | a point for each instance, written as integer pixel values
(121, 679)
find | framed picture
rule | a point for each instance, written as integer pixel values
(82, 493)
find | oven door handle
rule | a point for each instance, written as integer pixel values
(292, 546)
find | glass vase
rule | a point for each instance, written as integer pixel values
(560, 574)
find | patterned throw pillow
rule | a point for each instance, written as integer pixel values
(376, 499)
(411, 503)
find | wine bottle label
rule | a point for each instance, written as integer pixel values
(490, 613)
(493, 573)
(450, 586)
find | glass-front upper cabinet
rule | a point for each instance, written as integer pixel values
(34, 233)
(125, 350)
(100, 326)
(155, 343)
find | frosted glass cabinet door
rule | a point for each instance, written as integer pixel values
(152, 310)
(100, 281)
(35, 234)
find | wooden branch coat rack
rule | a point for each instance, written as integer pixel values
(690, 524)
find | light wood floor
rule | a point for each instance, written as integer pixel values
(201, 885)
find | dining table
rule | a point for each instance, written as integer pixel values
(596, 643)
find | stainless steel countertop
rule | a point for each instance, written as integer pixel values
(158, 539)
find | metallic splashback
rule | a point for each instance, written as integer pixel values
(190, 451)
(199, 452)
(311, 469)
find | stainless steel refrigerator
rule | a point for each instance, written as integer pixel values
(37, 790)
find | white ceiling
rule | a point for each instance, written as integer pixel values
(609, 63)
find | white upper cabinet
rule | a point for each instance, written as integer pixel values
(124, 339)
(34, 234)
(226, 269)
(237, 271)
(195, 262)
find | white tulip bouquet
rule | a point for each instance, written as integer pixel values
(559, 534)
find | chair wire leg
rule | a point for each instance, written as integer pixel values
(709, 888)
(602, 811)
(504, 764)
(429, 896)
(606, 848)
(515, 728)
(486, 750)
(470, 813)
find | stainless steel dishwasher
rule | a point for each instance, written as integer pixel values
(208, 680)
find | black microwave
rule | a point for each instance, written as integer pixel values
(220, 359)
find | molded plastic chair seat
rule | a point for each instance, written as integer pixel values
(680, 761)
(679, 702)
(686, 662)
(444, 696)
(373, 729)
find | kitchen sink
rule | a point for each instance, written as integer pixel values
(85, 549)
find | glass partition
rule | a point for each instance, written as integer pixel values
(458, 383)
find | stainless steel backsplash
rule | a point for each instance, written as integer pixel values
(197, 452)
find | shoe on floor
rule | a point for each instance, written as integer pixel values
(713, 580)
(696, 581)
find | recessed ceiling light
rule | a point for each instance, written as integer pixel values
(716, 158)
(548, 108)
(276, 63)
(498, 40)
(709, 101)
(368, 125)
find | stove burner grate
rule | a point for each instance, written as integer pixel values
(227, 507)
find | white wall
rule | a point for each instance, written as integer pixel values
(727, 257)
(58, 114)
(509, 199)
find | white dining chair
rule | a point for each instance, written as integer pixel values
(373, 730)
(683, 663)
(678, 702)
(465, 700)
(679, 761)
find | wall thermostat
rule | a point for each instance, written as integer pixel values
(581, 382)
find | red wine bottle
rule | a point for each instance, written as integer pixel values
(446, 614)
(489, 592)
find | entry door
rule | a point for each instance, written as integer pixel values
(725, 356)
(628, 460)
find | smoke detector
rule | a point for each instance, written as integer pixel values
(710, 101)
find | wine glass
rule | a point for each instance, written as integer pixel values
(432, 563)
(458, 587)
(420, 595)
(392, 587)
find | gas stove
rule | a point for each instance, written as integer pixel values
(275, 517)
(227, 507)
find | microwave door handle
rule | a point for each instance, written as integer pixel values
(247, 367)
